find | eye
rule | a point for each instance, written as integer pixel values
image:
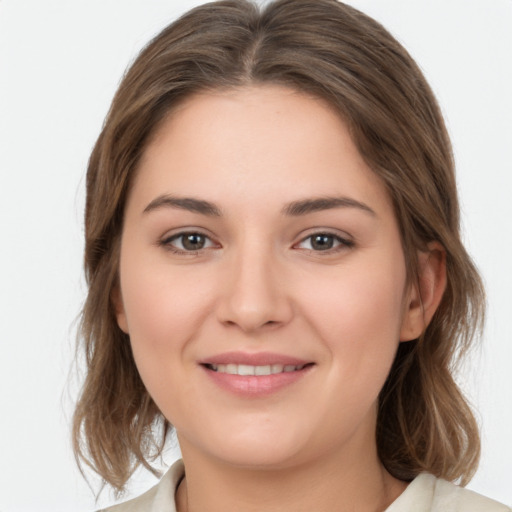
(187, 242)
(324, 242)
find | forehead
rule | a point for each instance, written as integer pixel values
(262, 141)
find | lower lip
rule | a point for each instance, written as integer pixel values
(256, 385)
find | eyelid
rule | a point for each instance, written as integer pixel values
(344, 239)
(170, 236)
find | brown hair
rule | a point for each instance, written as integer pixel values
(332, 51)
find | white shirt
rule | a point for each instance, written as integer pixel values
(425, 493)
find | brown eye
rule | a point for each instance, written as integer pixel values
(325, 242)
(193, 241)
(322, 242)
(188, 242)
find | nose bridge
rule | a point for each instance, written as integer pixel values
(254, 294)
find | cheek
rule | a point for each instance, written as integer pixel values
(362, 297)
(160, 304)
(357, 315)
(163, 310)
(163, 313)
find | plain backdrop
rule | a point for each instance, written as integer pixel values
(60, 63)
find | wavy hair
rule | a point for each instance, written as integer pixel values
(332, 51)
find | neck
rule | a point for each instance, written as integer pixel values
(330, 483)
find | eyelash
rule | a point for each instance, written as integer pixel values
(343, 243)
(167, 242)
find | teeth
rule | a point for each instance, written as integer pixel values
(246, 369)
(231, 368)
(263, 370)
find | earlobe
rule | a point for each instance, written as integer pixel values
(117, 302)
(426, 293)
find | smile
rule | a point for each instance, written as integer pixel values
(255, 375)
(246, 369)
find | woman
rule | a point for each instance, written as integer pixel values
(275, 271)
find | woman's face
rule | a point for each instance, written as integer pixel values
(262, 279)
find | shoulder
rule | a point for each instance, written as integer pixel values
(426, 493)
(159, 497)
(450, 495)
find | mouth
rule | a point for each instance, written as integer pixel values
(255, 375)
(260, 370)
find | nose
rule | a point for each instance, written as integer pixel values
(254, 292)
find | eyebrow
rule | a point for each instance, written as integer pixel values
(316, 204)
(293, 209)
(184, 203)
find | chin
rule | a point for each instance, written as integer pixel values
(252, 450)
(259, 457)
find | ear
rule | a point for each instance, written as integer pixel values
(424, 295)
(117, 302)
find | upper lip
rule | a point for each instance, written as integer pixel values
(254, 359)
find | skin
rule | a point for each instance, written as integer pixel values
(260, 284)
